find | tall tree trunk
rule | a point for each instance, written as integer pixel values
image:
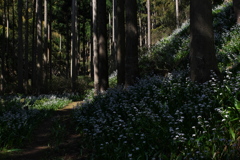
(13, 53)
(140, 32)
(39, 48)
(26, 72)
(84, 47)
(8, 38)
(102, 42)
(131, 70)
(91, 52)
(120, 43)
(74, 48)
(202, 51)
(3, 49)
(20, 48)
(149, 22)
(95, 47)
(34, 55)
(177, 13)
(236, 6)
(68, 52)
(114, 33)
(49, 52)
(45, 47)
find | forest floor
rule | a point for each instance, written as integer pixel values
(54, 139)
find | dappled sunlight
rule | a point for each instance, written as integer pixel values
(164, 117)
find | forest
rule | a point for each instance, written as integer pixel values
(115, 79)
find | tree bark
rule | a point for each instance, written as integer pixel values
(102, 42)
(149, 22)
(20, 47)
(131, 70)
(74, 47)
(95, 47)
(114, 34)
(39, 48)
(34, 44)
(120, 43)
(45, 61)
(3, 45)
(26, 72)
(202, 51)
(177, 13)
(49, 51)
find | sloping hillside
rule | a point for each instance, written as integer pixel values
(171, 53)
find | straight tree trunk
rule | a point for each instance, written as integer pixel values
(39, 48)
(131, 70)
(114, 33)
(68, 52)
(95, 47)
(20, 48)
(177, 13)
(102, 42)
(120, 43)
(3, 49)
(7, 62)
(49, 50)
(34, 55)
(26, 72)
(84, 47)
(140, 32)
(74, 44)
(236, 6)
(202, 51)
(13, 53)
(45, 48)
(91, 52)
(149, 22)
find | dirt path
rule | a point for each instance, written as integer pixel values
(54, 139)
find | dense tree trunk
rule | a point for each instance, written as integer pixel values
(26, 71)
(34, 44)
(3, 47)
(39, 48)
(102, 42)
(131, 70)
(149, 22)
(68, 50)
(84, 47)
(140, 32)
(91, 53)
(13, 53)
(45, 47)
(20, 47)
(177, 13)
(202, 51)
(114, 35)
(95, 47)
(236, 6)
(74, 48)
(120, 43)
(49, 50)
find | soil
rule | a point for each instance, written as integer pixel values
(54, 139)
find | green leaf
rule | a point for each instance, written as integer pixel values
(237, 104)
(232, 133)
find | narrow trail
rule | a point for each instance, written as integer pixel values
(54, 139)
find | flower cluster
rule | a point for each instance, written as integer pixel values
(159, 115)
